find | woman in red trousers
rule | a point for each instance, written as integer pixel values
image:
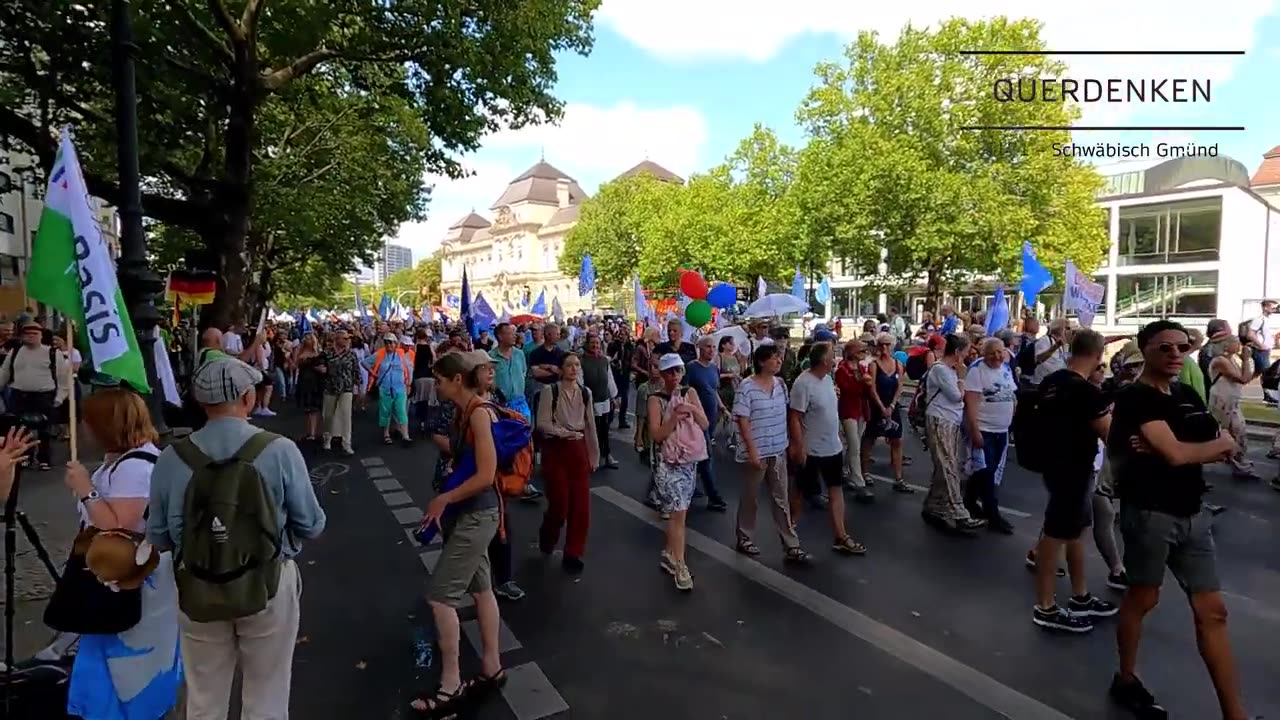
(570, 452)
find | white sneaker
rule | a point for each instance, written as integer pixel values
(257, 412)
(268, 412)
(325, 440)
(684, 579)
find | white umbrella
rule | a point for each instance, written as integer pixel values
(776, 305)
(741, 342)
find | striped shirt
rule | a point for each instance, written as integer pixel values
(767, 417)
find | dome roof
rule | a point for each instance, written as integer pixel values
(1269, 171)
(538, 184)
(471, 222)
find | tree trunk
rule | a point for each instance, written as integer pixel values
(933, 288)
(236, 195)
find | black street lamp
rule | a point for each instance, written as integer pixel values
(138, 283)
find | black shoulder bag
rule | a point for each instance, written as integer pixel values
(80, 604)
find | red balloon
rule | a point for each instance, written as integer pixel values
(693, 286)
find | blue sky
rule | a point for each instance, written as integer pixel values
(682, 81)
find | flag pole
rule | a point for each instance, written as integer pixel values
(71, 395)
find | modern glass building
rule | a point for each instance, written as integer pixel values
(1190, 240)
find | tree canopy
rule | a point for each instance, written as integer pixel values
(888, 171)
(274, 132)
(733, 222)
(890, 164)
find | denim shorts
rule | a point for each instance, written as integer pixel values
(1155, 540)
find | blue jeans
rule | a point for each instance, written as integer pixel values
(705, 474)
(984, 484)
(277, 379)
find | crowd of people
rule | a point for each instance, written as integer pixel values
(1120, 447)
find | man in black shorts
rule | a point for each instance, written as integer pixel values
(1161, 435)
(1081, 414)
(813, 423)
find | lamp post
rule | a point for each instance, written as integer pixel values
(138, 283)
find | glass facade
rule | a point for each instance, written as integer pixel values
(1140, 298)
(1186, 231)
(852, 302)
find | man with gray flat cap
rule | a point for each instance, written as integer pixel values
(234, 503)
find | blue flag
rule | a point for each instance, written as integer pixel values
(482, 315)
(539, 306)
(998, 315)
(464, 313)
(304, 323)
(586, 276)
(823, 293)
(1035, 277)
(797, 285)
(384, 306)
(364, 313)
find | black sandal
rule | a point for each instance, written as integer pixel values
(486, 683)
(386, 440)
(746, 547)
(797, 556)
(440, 705)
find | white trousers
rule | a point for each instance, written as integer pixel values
(261, 645)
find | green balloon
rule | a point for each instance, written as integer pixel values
(698, 313)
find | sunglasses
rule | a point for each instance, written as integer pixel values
(1168, 348)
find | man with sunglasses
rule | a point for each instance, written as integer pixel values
(1161, 435)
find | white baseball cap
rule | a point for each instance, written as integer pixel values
(670, 361)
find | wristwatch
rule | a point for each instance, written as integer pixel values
(93, 495)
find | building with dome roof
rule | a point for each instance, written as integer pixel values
(513, 255)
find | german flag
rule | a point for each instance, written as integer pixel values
(191, 287)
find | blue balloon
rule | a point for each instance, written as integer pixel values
(723, 295)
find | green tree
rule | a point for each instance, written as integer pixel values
(427, 274)
(618, 225)
(249, 110)
(889, 165)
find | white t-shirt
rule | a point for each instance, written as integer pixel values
(997, 389)
(815, 399)
(130, 479)
(232, 344)
(1051, 365)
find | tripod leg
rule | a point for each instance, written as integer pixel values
(34, 538)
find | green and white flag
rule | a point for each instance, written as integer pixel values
(72, 271)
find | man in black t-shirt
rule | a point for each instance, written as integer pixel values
(1080, 414)
(1161, 434)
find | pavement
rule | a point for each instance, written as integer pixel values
(925, 625)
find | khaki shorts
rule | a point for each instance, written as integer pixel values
(463, 567)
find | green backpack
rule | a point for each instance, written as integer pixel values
(229, 563)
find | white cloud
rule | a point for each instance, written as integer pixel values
(595, 143)
(591, 143)
(451, 200)
(757, 29)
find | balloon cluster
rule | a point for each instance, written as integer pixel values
(703, 297)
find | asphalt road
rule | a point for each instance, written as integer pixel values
(925, 625)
